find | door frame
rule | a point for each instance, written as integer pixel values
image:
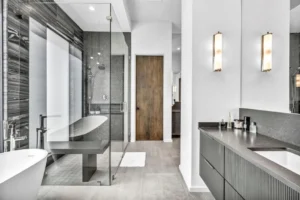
(167, 116)
(163, 66)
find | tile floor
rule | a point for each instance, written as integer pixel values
(160, 179)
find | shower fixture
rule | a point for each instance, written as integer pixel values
(92, 77)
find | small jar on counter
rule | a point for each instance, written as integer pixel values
(253, 128)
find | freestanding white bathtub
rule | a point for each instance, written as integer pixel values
(21, 174)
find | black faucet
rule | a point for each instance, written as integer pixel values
(42, 130)
(40, 133)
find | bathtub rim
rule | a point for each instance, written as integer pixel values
(43, 156)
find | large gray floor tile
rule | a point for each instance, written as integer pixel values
(160, 179)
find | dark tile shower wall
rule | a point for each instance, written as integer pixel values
(294, 64)
(128, 42)
(108, 81)
(281, 126)
(16, 51)
(1, 71)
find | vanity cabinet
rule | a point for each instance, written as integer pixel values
(252, 182)
(212, 169)
(213, 180)
(213, 152)
(230, 193)
(231, 177)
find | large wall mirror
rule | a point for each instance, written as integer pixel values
(295, 56)
(278, 89)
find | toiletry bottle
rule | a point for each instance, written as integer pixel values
(223, 124)
(229, 124)
(245, 127)
(253, 128)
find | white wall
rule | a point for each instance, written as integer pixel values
(267, 91)
(176, 65)
(38, 77)
(154, 38)
(186, 95)
(176, 62)
(57, 86)
(211, 95)
(75, 82)
(176, 78)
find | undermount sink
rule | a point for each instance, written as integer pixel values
(288, 159)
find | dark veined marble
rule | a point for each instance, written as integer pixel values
(16, 14)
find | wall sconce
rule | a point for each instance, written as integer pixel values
(297, 79)
(267, 43)
(217, 52)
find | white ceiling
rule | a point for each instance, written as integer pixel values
(156, 10)
(95, 20)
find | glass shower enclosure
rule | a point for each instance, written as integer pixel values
(66, 88)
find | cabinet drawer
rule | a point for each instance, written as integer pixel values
(213, 180)
(212, 151)
(231, 194)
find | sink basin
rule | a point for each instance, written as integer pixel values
(284, 157)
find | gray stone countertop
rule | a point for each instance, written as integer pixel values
(239, 142)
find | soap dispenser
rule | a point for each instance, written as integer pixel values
(253, 128)
(229, 124)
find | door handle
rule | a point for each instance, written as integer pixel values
(137, 108)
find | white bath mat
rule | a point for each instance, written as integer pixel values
(116, 158)
(134, 159)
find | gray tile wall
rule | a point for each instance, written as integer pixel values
(281, 126)
(1, 71)
(294, 64)
(128, 42)
(109, 81)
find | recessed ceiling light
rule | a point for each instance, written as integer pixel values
(98, 63)
(92, 8)
(99, 53)
(178, 48)
(92, 58)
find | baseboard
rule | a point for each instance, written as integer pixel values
(185, 181)
(168, 140)
(201, 189)
(193, 188)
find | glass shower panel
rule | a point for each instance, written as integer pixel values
(58, 87)
(119, 94)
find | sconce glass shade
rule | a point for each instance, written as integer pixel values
(297, 79)
(267, 45)
(217, 52)
(174, 89)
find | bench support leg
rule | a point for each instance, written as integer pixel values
(89, 166)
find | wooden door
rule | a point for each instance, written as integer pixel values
(149, 97)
